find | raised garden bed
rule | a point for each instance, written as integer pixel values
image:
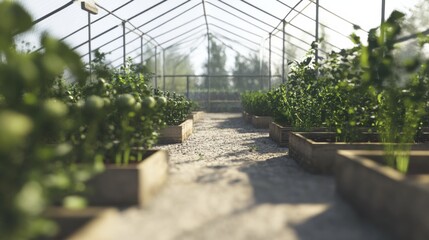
(315, 151)
(132, 184)
(176, 134)
(196, 116)
(394, 201)
(79, 223)
(261, 121)
(257, 121)
(280, 133)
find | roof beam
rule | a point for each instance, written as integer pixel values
(208, 36)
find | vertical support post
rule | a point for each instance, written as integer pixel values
(208, 71)
(89, 47)
(163, 69)
(283, 51)
(208, 92)
(124, 43)
(156, 66)
(269, 62)
(316, 52)
(141, 49)
(261, 59)
(187, 87)
(383, 12)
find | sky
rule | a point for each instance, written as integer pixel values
(242, 28)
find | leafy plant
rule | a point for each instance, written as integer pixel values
(256, 103)
(346, 105)
(279, 105)
(55, 135)
(302, 95)
(176, 107)
(131, 115)
(35, 148)
(398, 86)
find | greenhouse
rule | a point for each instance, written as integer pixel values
(214, 119)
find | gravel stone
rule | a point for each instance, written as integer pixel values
(230, 181)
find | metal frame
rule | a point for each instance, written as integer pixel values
(180, 35)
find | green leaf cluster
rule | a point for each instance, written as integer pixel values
(398, 85)
(368, 87)
(36, 125)
(177, 107)
(55, 135)
(256, 103)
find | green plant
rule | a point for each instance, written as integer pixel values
(56, 135)
(345, 103)
(303, 101)
(100, 68)
(36, 125)
(279, 106)
(256, 103)
(398, 86)
(131, 115)
(176, 108)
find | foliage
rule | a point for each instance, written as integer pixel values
(417, 19)
(398, 85)
(256, 103)
(302, 96)
(279, 106)
(365, 86)
(176, 109)
(346, 104)
(131, 114)
(35, 128)
(355, 88)
(100, 68)
(55, 135)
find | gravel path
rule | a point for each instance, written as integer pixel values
(230, 181)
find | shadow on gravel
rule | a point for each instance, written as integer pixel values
(338, 221)
(259, 144)
(281, 181)
(264, 145)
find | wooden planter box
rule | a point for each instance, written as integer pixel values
(196, 116)
(176, 134)
(261, 121)
(81, 223)
(133, 184)
(315, 151)
(392, 200)
(280, 134)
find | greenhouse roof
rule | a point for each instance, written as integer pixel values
(241, 26)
